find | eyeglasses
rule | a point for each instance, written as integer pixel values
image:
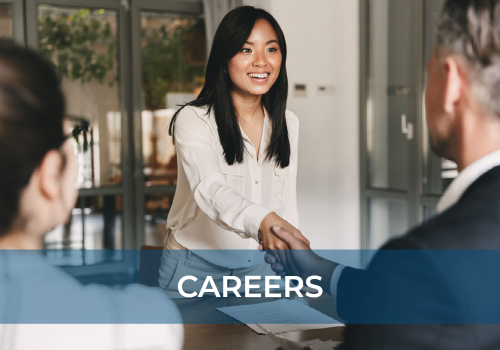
(81, 127)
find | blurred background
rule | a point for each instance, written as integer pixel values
(357, 77)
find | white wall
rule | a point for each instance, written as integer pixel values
(263, 4)
(323, 49)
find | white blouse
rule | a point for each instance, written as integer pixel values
(219, 206)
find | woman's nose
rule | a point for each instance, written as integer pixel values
(260, 60)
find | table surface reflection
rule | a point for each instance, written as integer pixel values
(222, 333)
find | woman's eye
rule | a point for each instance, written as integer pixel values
(272, 49)
(245, 50)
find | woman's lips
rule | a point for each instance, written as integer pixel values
(259, 77)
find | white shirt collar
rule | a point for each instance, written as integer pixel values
(466, 178)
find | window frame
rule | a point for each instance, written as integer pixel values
(129, 264)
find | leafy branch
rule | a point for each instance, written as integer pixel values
(165, 65)
(70, 42)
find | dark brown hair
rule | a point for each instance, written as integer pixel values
(471, 29)
(31, 122)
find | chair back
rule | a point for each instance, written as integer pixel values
(149, 265)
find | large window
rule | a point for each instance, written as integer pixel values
(169, 65)
(6, 21)
(12, 23)
(121, 95)
(82, 44)
(167, 82)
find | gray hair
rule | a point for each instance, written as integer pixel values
(471, 30)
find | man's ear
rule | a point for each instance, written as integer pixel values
(453, 86)
(49, 174)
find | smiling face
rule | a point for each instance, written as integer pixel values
(255, 68)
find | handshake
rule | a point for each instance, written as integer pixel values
(292, 256)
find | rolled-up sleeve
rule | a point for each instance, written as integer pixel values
(220, 202)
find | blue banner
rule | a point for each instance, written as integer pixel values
(222, 287)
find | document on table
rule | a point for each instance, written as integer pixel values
(279, 316)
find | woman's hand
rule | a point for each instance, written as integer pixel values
(267, 237)
(274, 245)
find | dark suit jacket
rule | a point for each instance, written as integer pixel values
(441, 289)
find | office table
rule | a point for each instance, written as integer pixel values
(240, 337)
(223, 333)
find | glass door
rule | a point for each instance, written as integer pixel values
(6, 20)
(391, 90)
(121, 112)
(87, 43)
(12, 20)
(170, 54)
(403, 179)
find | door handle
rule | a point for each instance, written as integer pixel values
(406, 128)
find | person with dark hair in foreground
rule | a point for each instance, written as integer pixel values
(237, 148)
(38, 175)
(436, 302)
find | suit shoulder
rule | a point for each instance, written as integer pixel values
(460, 227)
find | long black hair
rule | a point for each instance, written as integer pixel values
(31, 122)
(231, 36)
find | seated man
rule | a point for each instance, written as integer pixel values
(443, 284)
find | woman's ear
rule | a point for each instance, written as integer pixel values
(49, 174)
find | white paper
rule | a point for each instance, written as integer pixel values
(291, 315)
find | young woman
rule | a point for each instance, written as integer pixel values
(237, 157)
(38, 173)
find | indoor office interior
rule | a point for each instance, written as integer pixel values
(356, 72)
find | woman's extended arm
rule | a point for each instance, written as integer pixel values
(199, 158)
(221, 203)
(290, 219)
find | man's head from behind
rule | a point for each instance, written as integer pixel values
(464, 74)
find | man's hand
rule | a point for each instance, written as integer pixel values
(305, 262)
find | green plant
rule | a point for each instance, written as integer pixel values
(165, 64)
(70, 40)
